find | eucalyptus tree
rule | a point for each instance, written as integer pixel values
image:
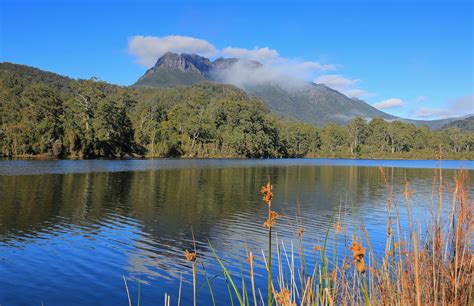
(358, 132)
(42, 119)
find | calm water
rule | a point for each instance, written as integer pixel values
(70, 230)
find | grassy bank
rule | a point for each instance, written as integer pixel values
(414, 155)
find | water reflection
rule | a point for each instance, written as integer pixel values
(68, 238)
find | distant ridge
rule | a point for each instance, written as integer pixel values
(466, 124)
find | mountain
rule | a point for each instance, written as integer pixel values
(174, 69)
(466, 124)
(29, 75)
(309, 102)
(315, 103)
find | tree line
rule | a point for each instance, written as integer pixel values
(66, 118)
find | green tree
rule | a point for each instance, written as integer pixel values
(334, 138)
(358, 132)
(114, 135)
(298, 139)
(190, 124)
(41, 120)
(81, 111)
(147, 119)
(378, 139)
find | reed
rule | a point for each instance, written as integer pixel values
(269, 223)
(429, 266)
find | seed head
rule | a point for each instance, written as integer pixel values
(358, 254)
(190, 256)
(300, 232)
(267, 193)
(284, 298)
(250, 258)
(272, 216)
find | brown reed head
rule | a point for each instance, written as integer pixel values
(272, 216)
(283, 298)
(267, 193)
(300, 232)
(250, 258)
(358, 254)
(190, 256)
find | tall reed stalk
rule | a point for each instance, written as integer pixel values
(271, 219)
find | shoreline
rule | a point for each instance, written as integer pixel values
(41, 167)
(151, 157)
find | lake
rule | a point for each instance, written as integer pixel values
(71, 230)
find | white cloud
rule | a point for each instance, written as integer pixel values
(464, 104)
(272, 57)
(264, 55)
(147, 49)
(454, 108)
(358, 93)
(389, 103)
(426, 112)
(336, 81)
(317, 66)
(344, 85)
(242, 75)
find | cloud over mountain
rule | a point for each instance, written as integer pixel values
(343, 84)
(389, 103)
(452, 108)
(147, 50)
(426, 112)
(336, 81)
(257, 54)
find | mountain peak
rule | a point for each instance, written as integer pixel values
(171, 61)
(169, 54)
(184, 62)
(189, 61)
(167, 58)
(201, 63)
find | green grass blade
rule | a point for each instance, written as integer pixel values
(227, 274)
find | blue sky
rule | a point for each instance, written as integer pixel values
(410, 58)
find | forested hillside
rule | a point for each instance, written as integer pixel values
(466, 124)
(44, 114)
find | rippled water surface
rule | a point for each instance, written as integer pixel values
(70, 230)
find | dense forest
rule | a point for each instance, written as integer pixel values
(47, 115)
